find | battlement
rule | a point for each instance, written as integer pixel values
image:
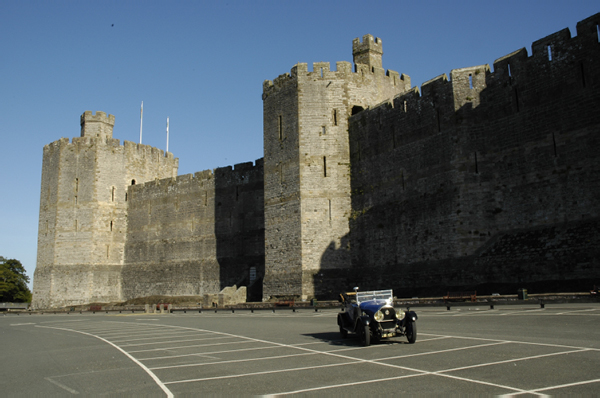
(98, 125)
(138, 149)
(240, 173)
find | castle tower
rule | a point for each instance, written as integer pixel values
(83, 212)
(307, 162)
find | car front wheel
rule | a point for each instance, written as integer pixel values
(411, 332)
(364, 333)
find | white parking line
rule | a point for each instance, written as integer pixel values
(173, 341)
(559, 386)
(141, 365)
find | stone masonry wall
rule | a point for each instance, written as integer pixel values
(195, 234)
(446, 182)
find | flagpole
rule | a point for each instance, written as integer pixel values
(167, 135)
(141, 120)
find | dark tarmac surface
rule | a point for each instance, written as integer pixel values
(512, 350)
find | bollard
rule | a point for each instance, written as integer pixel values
(199, 311)
(252, 310)
(542, 305)
(448, 308)
(232, 311)
(491, 306)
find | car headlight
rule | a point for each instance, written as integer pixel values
(400, 314)
(378, 316)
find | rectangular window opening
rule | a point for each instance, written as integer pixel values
(405, 106)
(329, 209)
(470, 81)
(111, 226)
(598, 31)
(323, 130)
(324, 166)
(549, 53)
(280, 127)
(335, 121)
(509, 72)
(113, 194)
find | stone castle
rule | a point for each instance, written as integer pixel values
(488, 181)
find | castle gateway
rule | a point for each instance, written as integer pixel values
(486, 181)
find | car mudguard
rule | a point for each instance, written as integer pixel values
(410, 315)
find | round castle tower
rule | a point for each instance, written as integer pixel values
(83, 212)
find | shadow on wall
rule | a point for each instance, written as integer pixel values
(331, 280)
(239, 227)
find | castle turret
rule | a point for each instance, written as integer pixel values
(98, 125)
(368, 52)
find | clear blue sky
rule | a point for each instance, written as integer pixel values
(202, 64)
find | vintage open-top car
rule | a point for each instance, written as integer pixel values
(371, 315)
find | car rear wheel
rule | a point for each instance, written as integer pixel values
(411, 332)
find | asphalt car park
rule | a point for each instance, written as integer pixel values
(513, 350)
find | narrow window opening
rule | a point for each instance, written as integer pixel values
(76, 226)
(132, 182)
(76, 199)
(598, 31)
(323, 130)
(324, 166)
(125, 196)
(554, 143)
(335, 121)
(280, 127)
(470, 81)
(405, 106)
(252, 274)
(321, 72)
(329, 209)
(113, 194)
(107, 251)
(205, 198)
(549, 53)
(509, 72)
(237, 193)
(402, 177)
(372, 69)
(111, 226)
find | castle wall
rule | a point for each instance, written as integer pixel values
(195, 234)
(489, 179)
